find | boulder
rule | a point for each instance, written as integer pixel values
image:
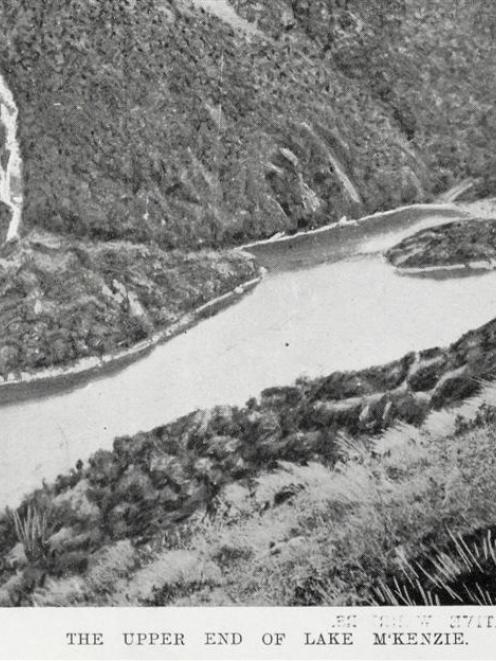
(66, 539)
(61, 540)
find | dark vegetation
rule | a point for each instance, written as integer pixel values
(427, 63)
(461, 572)
(451, 569)
(458, 243)
(122, 138)
(64, 300)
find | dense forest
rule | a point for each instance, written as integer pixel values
(165, 125)
(229, 135)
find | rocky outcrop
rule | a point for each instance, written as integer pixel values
(467, 244)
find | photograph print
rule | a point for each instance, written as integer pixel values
(247, 303)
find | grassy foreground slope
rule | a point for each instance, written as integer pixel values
(405, 518)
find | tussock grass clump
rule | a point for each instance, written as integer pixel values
(464, 572)
(32, 532)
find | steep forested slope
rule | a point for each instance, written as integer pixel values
(429, 63)
(157, 120)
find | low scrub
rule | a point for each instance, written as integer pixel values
(407, 518)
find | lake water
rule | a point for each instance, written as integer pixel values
(307, 317)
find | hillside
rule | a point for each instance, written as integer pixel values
(66, 300)
(156, 136)
(156, 120)
(231, 135)
(427, 63)
(196, 124)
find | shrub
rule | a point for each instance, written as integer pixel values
(32, 531)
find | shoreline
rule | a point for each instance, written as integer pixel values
(34, 384)
(461, 246)
(93, 366)
(480, 265)
(431, 208)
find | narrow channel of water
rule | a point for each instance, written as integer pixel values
(10, 160)
(336, 315)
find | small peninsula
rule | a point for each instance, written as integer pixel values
(459, 244)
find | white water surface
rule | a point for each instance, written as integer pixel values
(336, 315)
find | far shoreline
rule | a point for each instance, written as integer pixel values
(43, 383)
(34, 385)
